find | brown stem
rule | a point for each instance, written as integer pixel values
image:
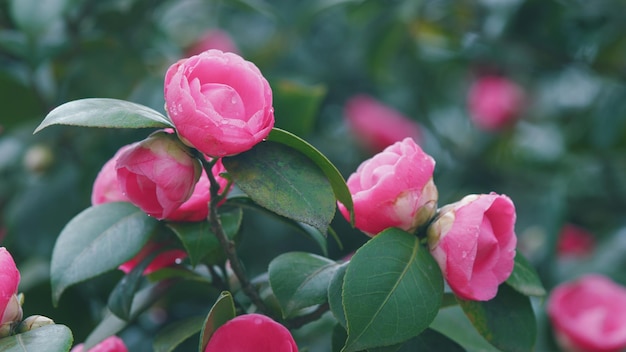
(302, 320)
(227, 245)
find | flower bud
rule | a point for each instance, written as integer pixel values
(158, 174)
(10, 304)
(34, 322)
(252, 332)
(473, 241)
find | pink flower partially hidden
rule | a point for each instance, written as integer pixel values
(494, 102)
(213, 39)
(106, 188)
(589, 314)
(162, 260)
(157, 174)
(251, 332)
(376, 125)
(574, 241)
(10, 307)
(110, 344)
(219, 103)
(473, 241)
(394, 188)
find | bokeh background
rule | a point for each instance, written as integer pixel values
(562, 161)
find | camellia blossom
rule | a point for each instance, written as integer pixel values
(110, 344)
(10, 307)
(213, 39)
(376, 125)
(394, 188)
(162, 260)
(219, 103)
(574, 241)
(106, 188)
(589, 314)
(473, 241)
(251, 332)
(158, 174)
(494, 102)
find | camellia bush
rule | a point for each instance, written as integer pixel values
(339, 176)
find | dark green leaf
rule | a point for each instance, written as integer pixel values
(431, 341)
(453, 323)
(111, 324)
(507, 321)
(223, 310)
(90, 244)
(338, 183)
(392, 291)
(296, 105)
(121, 298)
(174, 334)
(338, 338)
(524, 278)
(104, 112)
(200, 242)
(46, 338)
(335, 296)
(284, 181)
(300, 280)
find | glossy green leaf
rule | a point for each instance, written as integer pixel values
(284, 181)
(199, 240)
(431, 341)
(507, 321)
(453, 323)
(297, 105)
(524, 278)
(222, 311)
(104, 112)
(392, 291)
(91, 243)
(335, 294)
(311, 232)
(300, 280)
(121, 298)
(111, 324)
(338, 183)
(338, 338)
(176, 333)
(46, 338)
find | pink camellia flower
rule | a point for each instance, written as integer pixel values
(106, 188)
(213, 39)
(473, 241)
(196, 208)
(158, 174)
(574, 241)
(162, 260)
(10, 307)
(219, 103)
(377, 125)
(251, 332)
(589, 314)
(494, 102)
(110, 344)
(394, 188)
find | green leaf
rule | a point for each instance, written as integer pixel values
(338, 338)
(335, 294)
(244, 201)
(121, 298)
(296, 105)
(392, 291)
(300, 280)
(91, 243)
(431, 341)
(507, 321)
(111, 324)
(104, 112)
(338, 183)
(453, 323)
(46, 338)
(174, 334)
(199, 240)
(524, 278)
(222, 311)
(284, 181)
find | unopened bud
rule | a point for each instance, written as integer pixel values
(13, 310)
(38, 158)
(34, 322)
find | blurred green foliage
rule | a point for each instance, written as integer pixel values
(563, 162)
